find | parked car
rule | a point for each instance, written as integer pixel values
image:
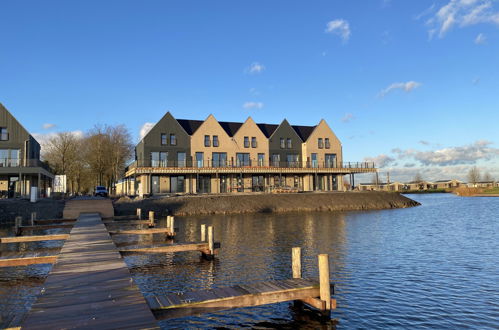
(100, 191)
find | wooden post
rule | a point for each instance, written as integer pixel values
(151, 218)
(296, 262)
(17, 223)
(168, 222)
(172, 224)
(325, 285)
(211, 241)
(203, 232)
(139, 214)
(33, 218)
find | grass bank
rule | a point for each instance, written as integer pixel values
(264, 203)
(44, 208)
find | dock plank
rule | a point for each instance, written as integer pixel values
(90, 286)
(33, 238)
(179, 247)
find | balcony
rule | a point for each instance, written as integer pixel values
(16, 162)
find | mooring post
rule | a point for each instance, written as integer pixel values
(139, 214)
(17, 223)
(203, 232)
(33, 218)
(211, 242)
(172, 224)
(325, 285)
(168, 222)
(151, 218)
(296, 262)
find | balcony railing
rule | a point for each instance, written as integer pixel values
(210, 163)
(16, 162)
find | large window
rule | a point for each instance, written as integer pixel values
(289, 144)
(219, 159)
(173, 140)
(207, 141)
(283, 143)
(276, 159)
(199, 159)
(320, 143)
(4, 157)
(163, 139)
(181, 159)
(215, 140)
(243, 159)
(261, 159)
(253, 142)
(246, 142)
(159, 159)
(4, 134)
(315, 161)
(177, 184)
(292, 160)
(9, 157)
(330, 160)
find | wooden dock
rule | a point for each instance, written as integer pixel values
(90, 286)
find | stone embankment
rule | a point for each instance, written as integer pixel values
(264, 203)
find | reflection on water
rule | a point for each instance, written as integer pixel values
(432, 266)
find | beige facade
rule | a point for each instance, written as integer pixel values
(227, 157)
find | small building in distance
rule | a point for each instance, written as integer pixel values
(20, 165)
(211, 156)
(412, 186)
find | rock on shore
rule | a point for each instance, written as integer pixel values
(264, 203)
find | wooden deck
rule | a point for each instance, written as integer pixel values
(33, 238)
(205, 301)
(90, 286)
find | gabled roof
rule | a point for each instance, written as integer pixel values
(230, 127)
(190, 126)
(267, 129)
(303, 131)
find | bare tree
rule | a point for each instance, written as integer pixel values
(474, 175)
(487, 177)
(418, 178)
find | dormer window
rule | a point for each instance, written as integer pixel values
(4, 134)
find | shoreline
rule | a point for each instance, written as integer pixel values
(264, 203)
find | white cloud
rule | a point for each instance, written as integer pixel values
(48, 126)
(380, 161)
(145, 129)
(347, 117)
(480, 39)
(339, 27)
(462, 13)
(43, 138)
(255, 68)
(253, 105)
(406, 86)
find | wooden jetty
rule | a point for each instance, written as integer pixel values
(53, 221)
(33, 238)
(316, 294)
(89, 286)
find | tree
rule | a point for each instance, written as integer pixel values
(418, 178)
(474, 175)
(487, 177)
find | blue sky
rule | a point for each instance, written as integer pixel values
(410, 84)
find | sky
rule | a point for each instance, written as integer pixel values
(411, 85)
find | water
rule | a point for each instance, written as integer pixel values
(433, 266)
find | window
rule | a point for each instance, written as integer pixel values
(159, 159)
(292, 160)
(288, 143)
(327, 143)
(276, 159)
(283, 143)
(330, 160)
(181, 159)
(320, 143)
(199, 159)
(4, 157)
(207, 142)
(163, 139)
(315, 162)
(246, 141)
(243, 159)
(261, 159)
(4, 134)
(253, 142)
(219, 159)
(215, 140)
(173, 140)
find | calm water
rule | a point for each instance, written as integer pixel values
(433, 266)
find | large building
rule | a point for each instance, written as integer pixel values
(195, 156)
(20, 165)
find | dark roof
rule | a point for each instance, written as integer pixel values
(267, 129)
(303, 131)
(230, 127)
(190, 126)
